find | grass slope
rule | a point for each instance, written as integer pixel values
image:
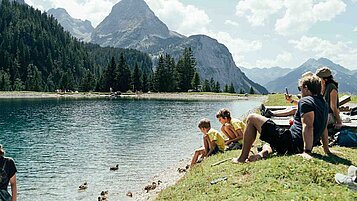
(276, 178)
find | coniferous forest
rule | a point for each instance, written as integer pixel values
(36, 54)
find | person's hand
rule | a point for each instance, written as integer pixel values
(305, 156)
(338, 125)
(288, 97)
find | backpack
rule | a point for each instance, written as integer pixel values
(346, 138)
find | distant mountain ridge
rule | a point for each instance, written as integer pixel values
(78, 28)
(131, 24)
(345, 77)
(264, 75)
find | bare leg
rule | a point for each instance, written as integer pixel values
(198, 153)
(254, 124)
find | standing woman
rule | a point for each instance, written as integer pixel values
(330, 93)
(7, 175)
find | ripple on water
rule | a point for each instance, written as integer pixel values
(59, 144)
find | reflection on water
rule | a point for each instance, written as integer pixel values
(58, 144)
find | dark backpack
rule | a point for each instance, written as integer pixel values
(346, 138)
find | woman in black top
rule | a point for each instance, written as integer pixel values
(7, 175)
(330, 93)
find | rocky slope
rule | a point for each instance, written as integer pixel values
(78, 28)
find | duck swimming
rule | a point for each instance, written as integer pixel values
(115, 167)
(83, 186)
(150, 187)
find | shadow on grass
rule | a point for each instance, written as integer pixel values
(334, 159)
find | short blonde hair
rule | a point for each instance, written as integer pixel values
(312, 83)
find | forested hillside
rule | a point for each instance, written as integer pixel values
(37, 54)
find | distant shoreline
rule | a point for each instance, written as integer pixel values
(159, 96)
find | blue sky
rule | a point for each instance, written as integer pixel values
(258, 33)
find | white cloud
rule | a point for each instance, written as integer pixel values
(185, 19)
(237, 46)
(231, 22)
(297, 15)
(258, 11)
(281, 60)
(343, 53)
(355, 29)
(301, 14)
(92, 10)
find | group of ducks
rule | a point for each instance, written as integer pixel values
(182, 170)
(104, 194)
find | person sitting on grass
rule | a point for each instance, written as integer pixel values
(213, 142)
(232, 128)
(310, 124)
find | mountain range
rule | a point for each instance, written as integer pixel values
(264, 75)
(132, 24)
(346, 78)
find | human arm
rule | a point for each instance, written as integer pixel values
(288, 98)
(234, 135)
(325, 141)
(206, 145)
(13, 187)
(307, 120)
(213, 146)
(334, 108)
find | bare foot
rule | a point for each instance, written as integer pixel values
(237, 161)
(255, 157)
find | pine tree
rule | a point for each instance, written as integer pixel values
(185, 70)
(88, 82)
(242, 91)
(212, 84)
(18, 85)
(206, 86)
(67, 81)
(160, 76)
(251, 90)
(196, 81)
(145, 82)
(33, 79)
(122, 75)
(231, 89)
(226, 89)
(218, 87)
(5, 83)
(136, 79)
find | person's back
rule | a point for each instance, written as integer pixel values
(7, 175)
(216, 137)
(318, 105)
(238, 125)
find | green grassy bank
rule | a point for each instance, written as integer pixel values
(276, 178)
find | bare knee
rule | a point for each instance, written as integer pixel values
(252, 118)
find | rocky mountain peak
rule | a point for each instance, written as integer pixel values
(78, 28)
(129, 22)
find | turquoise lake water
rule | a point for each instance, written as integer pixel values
(58, 144)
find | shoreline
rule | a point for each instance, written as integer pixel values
(168, 177)
(148, 96)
